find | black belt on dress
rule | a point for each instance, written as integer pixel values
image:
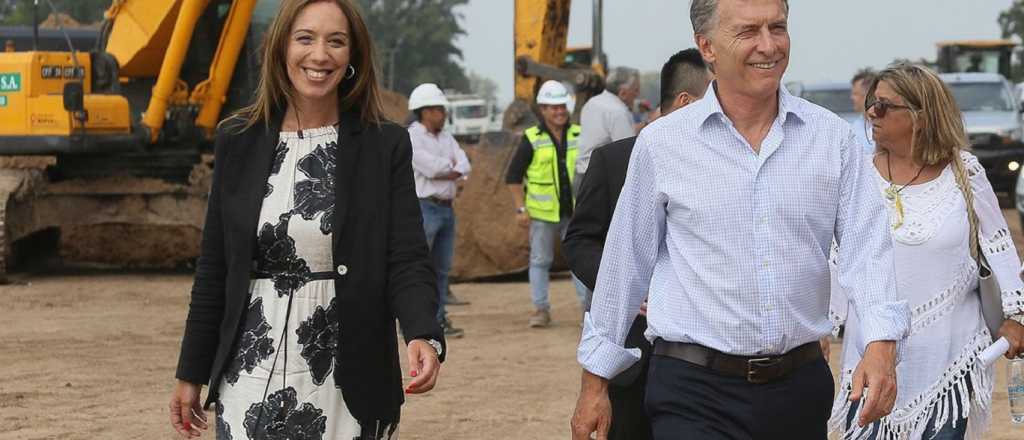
(755, 369)
(438, 201)
(312, 276)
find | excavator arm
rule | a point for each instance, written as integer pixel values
(540, 33)
(139, 37)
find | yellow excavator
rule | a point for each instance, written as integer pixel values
(103, 133)
(101, 146)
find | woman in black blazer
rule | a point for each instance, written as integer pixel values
(313, 245)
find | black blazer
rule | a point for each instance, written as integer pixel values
(377, 236)
(584, 239)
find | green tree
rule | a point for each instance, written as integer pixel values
(1011, 22)
(19, 12)
(415, 42)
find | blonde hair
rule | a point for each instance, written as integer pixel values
(274, 91)
(938, 134)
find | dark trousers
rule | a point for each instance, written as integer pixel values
(629, 420)
(686, 401)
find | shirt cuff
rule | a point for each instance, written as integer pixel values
(885, 322)
(599, 355)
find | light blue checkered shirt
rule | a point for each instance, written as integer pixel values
(731, 247)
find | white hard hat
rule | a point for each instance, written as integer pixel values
(553, 93)
(427, 95)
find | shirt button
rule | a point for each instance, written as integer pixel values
(342, 269)
(764, 265)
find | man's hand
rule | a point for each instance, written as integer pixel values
(593, 409)
(451, 175)
(1014, 334)
(523, 219)
(826, 347)
(877, 372)
(423, 367)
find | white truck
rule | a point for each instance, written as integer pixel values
(469, 116)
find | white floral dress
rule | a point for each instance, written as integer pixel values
(279, 384)
(940, 377)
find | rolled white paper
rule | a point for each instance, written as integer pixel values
(992, 353)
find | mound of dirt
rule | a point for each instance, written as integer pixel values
(489, 242)
(396, 106)
(129, 246)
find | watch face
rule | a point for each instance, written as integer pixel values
(436, 345)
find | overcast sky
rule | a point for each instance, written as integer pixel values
(830, 38)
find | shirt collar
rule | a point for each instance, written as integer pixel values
(418, 128)
(710, 105)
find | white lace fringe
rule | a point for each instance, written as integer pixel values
(939, 401)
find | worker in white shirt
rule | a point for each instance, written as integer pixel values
(437, 163)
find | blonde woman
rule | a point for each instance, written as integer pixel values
(929, 182)
(313, 245)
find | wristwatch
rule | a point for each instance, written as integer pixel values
(520, 210)
(437, 346)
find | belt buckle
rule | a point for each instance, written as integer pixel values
(756, 364)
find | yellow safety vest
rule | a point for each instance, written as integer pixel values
(542, 185)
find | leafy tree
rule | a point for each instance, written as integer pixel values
(1011, 21)
(415, 40)
(19, 12)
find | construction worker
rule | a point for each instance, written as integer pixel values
(545, 160)
(437, 164)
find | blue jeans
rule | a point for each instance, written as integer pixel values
(439, 227)
(543, 236)
(946, 432)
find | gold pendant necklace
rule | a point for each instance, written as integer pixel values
(892, 193)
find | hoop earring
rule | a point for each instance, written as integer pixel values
(351, 72)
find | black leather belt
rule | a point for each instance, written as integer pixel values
(755, 369)
(312, 276)
(439, 201)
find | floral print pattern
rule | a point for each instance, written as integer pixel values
(318, 336)
(281, 418)
(254, 344)
(280, 152)
(316, 195)
(277, 257)
(223, 428)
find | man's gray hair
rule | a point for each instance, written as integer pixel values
(703, 14)
(620, 77)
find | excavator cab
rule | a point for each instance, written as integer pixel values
(976, 56)
(153, 84)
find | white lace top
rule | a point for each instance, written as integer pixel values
(937, 276)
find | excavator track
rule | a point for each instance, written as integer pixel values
(15, 185)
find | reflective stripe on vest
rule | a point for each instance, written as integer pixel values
(542, 181)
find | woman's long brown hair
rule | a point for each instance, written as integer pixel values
(274, 91)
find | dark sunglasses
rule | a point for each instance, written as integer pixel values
(882, 108)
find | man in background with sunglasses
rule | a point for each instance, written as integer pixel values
(724, 223)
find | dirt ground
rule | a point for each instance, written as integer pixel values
(91, 356)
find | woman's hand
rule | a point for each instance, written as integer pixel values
(423, 367)
(187, 416)
(1013, 331)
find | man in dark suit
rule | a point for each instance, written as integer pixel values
(684, 78)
